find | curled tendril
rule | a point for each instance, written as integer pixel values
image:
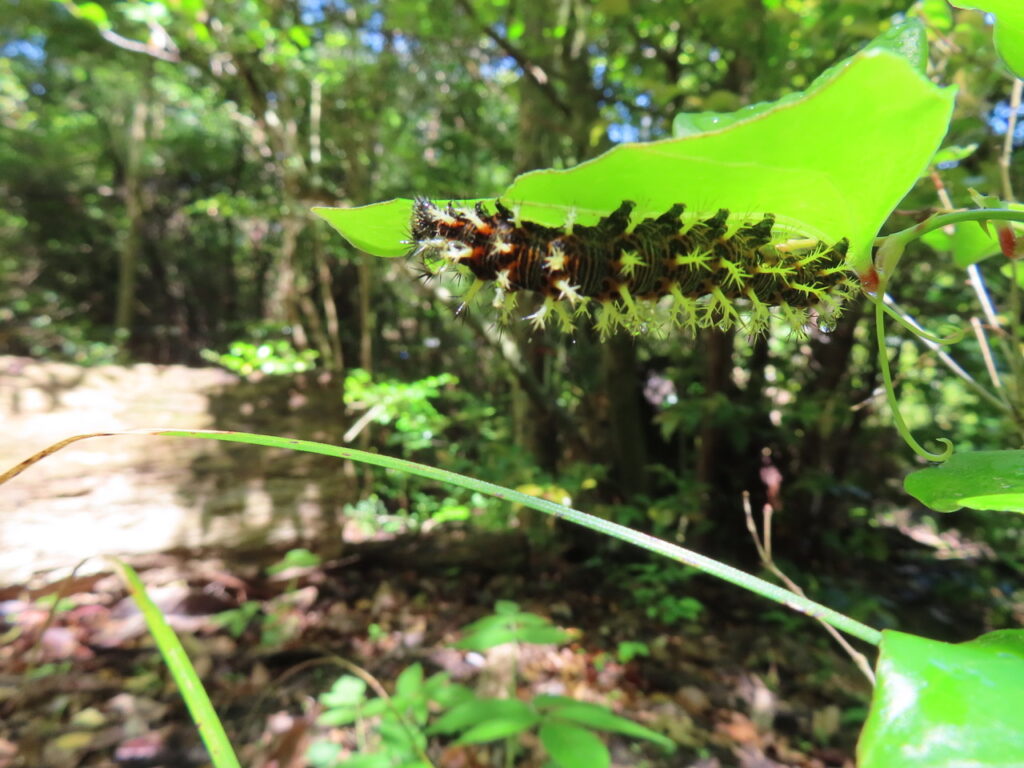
(890, 394)
(954, 338)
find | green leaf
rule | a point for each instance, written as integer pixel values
(323, 754)
(968, 244)
(506, 607)
(595, 716)
(573, 747)
(93, 13)
(1009, 34)
(410, 682)
(831, 163)
(938, 705)
(211, 730)
(499, 728)
(509, 625)
(347, 691)
(954, 153)
(300, 557)
(378, 760)
(909, 40)
(299, 36)
(379, 229)
(543, 635)
(984, 480)
(470, 713)
(333, 718)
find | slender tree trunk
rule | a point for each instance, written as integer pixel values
(627, 436)
(132, 243)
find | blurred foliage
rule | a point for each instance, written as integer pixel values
(276, 357)
(397, 729)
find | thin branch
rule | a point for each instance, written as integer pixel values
(765, 553)
(1011, 125)
(986, 353)
(947, 359)
(159, 46)
(534, 71)
(135, 46)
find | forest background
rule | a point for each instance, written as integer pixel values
(158, 163)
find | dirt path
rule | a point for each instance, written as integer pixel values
(138, 494)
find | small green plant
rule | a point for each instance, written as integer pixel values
(404, 405)
(276, 618)
(396, 734)
(657, 590)
(508, 624)
(400, 728)
(628, 650)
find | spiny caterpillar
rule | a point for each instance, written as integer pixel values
(620, 270)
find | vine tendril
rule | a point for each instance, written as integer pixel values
(954, 338)
(890, 393)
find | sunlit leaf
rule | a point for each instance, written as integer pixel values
(573, 747)
(1009, 33)
(985, 480)
(831, 163)
(938, 705)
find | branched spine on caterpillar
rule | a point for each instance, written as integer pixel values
(615, 271)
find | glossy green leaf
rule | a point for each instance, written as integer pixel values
(939, 705)
(984, 480)
(1009, 34)
(573, 747)
(831, 163)
(379, 229)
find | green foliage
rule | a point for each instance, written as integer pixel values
(509, 625)
(276, 357)
(397, 738)
(657, 588)
(628, 650)
(227, 163)
(404, 405)
(437, 707)
(275, 620)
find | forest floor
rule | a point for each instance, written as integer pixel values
(738, 684)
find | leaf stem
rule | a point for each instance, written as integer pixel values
(940, 220)
(890, 393)
(911, 325)
(644, 541)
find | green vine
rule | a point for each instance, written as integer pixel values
(890, 251)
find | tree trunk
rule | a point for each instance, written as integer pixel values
(132, 244)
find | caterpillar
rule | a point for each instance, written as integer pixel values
(616, 271)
